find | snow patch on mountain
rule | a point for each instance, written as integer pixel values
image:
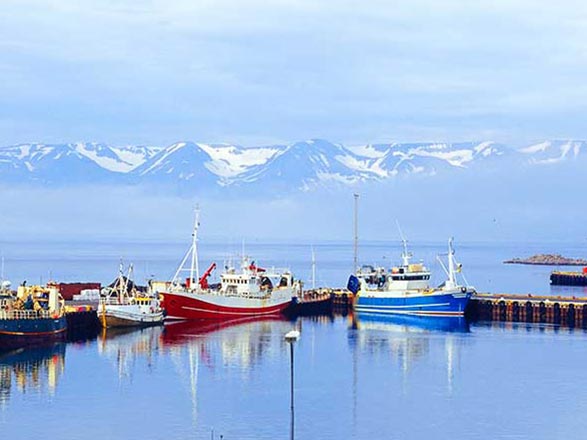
(230, 161)
(457, 158)
(369, 151)
(552, 152)
(104, 156)
(135, 155)
(532, 149)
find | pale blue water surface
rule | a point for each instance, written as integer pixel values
(355, 377)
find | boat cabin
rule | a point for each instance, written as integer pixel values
(405, 277)
(254, 283)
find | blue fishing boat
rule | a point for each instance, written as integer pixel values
(406, 289)
(33, 316)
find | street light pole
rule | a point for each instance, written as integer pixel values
(291, 337)
(291, 391)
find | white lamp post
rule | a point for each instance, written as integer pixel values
(291, 337)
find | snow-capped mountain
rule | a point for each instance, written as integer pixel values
(552, 152)
(47, 163)
(309, 164)
(69, 162)
(301, 165)
(183, 161)
(120, 159)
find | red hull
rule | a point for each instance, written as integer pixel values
(190, 308)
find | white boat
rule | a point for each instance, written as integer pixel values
(244, 291)
(123, 306)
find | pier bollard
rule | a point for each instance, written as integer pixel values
(541, 312)
(515, 311)
(502, 310)
(529, 311)
(556, 313)
(487, 310)
(564, 311)
(571, 315)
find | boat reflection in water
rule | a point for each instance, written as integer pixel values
(124, 345)
(409, 339)
(411, 323)
(34, 370)
(241, 343)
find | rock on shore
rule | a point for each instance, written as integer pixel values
(548, 260)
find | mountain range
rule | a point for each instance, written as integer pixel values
(303, 165)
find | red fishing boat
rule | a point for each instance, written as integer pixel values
(245, 291)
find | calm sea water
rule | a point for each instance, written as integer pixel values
(355, 377)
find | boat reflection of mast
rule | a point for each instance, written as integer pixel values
(193, 362)
(451, 351)
(194, 366)
(355, 323)
(355, 371)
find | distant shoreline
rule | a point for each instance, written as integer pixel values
(548, 260)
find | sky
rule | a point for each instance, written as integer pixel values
(256, 72)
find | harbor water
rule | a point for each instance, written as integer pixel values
(356, 377)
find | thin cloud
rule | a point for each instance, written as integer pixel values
(247, 71)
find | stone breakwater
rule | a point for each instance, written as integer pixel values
(548, 260)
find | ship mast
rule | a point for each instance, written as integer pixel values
(356, 256)
(405, 254)
(451, 264)
(194, 267)
(314, 269)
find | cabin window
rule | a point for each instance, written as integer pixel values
(410, 277)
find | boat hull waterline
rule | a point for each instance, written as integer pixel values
(17, 332)
(129, 316)
(188, 306)
(438, 304)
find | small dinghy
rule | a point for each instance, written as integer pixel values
(122, 305)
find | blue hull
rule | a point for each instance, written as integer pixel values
(22, 332)
(445, 304)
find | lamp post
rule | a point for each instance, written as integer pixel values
(291, 338)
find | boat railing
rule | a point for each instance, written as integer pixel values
(275, 272)
(25, 314)
(139, 301)
(248, 295)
